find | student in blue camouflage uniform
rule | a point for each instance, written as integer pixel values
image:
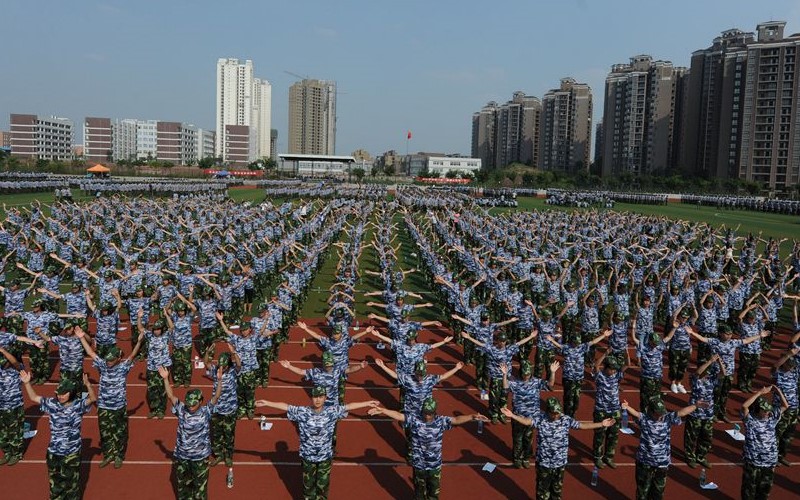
(244, 345)
(787, 377)
(726, 347)
(328, 376)
(750, 354)
(224, 414)
(316, 425)
(607, 405)
(70, 352)
(427, 432)
(193, 444)
(112, 401)
(107, 317)
(546, 324)
(337, 343)
(680, 348)
(39, 320)
(417, 387)
(497, 353)
(66, 412)
(699, 429)
(525, 402)
(574, 353)
(157, 341)
(654, 454)
(179, 322)
(14, 296)
(760, 443)
(552, 444)
(265, 322)
(12, 410)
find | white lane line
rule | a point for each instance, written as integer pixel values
(339, 463)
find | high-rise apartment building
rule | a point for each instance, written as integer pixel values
(484, 135)
(770, 132)
(39, 137)
(517, 128)
(242, 100)
(97, 139)
(713, 114)
(312, 117)
(507, 133)
(639, 116)
(566, 127)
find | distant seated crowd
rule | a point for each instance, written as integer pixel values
(790, 207)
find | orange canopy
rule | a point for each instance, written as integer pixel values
(98, 169)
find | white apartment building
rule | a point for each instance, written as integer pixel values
(43, 138)
(146, 138)
(242, 100)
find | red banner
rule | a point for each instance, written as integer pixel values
(236, 173)
(442, 180)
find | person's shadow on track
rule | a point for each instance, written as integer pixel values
(395, 484)
(173, 480)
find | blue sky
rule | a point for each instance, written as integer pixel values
(423, 66)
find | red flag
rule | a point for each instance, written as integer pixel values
(409, 135)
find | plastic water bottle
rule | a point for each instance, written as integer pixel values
(595, 475)
(229, 478)
(303, 342)
(480, 426)
(196, 362)
(624, 422)
(702, 477)
(358, 326)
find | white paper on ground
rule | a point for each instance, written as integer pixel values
(122, 328)
(265, 426)
(235, 327)
(489, 467)
(710, 486)
(485, 396)
(738, 436)
(199, 365)
(29, 434)
(380, 346)
(626, 430)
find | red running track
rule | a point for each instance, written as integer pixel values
(369, 460)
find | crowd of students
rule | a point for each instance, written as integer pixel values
(526, 295)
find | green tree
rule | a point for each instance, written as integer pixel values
(358, 173)
(375, 171)
(388, 170)
(451, 174)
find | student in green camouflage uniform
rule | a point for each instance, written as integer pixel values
(157, 357)
(66, 412)
(12, 409)
(427, 431)
(316, 425)
(193, 445)
(760, 443)
(112, 402)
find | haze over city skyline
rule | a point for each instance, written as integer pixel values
(413, 65)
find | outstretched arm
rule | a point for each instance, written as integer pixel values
(386, 369)
(463, 419)
(362, 404)
(309, 331)
(25, 377)
(272, 404)
(395, 415)
(629, 408)
(513, 416)
(608, 422)
(446, 375)
(442, 342)
(691, 408)
(286, 364)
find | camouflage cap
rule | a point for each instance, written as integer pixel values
(318, 391)
(113, 354)
(193, 397)
(764, 405)
(420, 367)
(525, 368)
(657, 406)
(327, 358)
(66, 386)
(224, 360)
(613, 363)
(429, 406)
(553, 405)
